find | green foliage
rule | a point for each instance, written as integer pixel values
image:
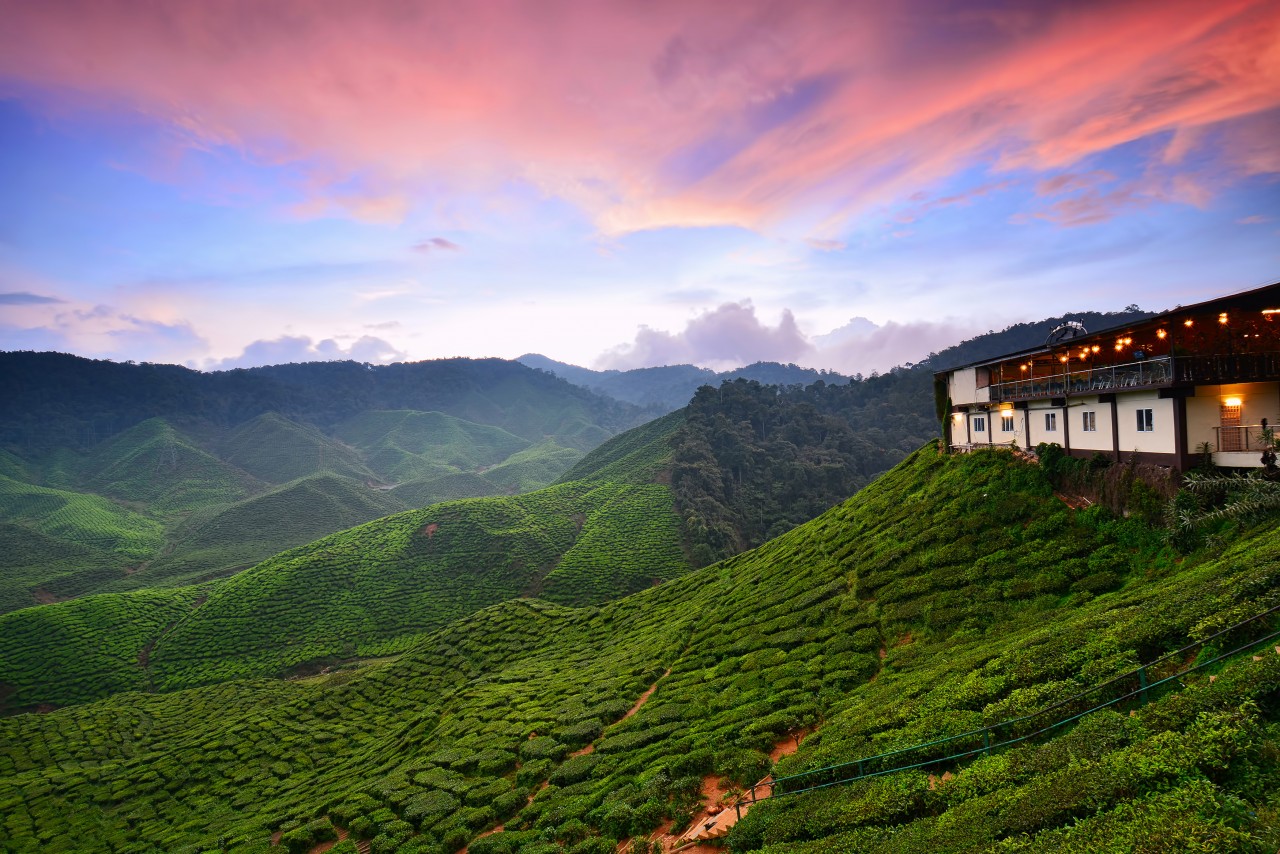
(952, 564)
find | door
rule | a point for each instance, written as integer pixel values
(1230, 434)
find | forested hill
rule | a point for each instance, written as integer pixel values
(751, 461)
(669, 387)
(50, 400)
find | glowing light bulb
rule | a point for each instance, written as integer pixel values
(1161, 334)
(1188, 322)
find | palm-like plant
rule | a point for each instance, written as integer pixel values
(1238, 496)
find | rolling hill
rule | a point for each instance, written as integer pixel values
(948, 593)
(219, 481)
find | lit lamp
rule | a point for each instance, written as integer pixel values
(1222, 318)
(1231, 401)
(1161, 334)
(1188, 322)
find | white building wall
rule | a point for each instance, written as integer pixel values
(1097, 440)
(1000, 436)
(1161, 440)
(1039, 433)
(962, 386)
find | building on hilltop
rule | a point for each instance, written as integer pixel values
(1157, 389)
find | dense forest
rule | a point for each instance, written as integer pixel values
(50, 400)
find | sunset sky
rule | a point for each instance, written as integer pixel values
(846, 185)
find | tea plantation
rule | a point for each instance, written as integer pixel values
(948, 593)
(374, 589)
(159, 505)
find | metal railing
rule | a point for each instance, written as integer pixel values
(1248, 437)
(1138, 686)
(1140, 374)
(1144, 373)
(1237, 368)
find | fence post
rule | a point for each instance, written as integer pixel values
(860, 768)
(753, 793)
(737, 808)
(986, 742)
(1142, 685)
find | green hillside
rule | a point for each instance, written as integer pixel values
(277, 450)
(215, 501)
(55, 543)
(155, 466)
(949, 593)
(407, 445)
(71, 652)
(373, 589)
(242, 534)
(445, 487)
(532, 468)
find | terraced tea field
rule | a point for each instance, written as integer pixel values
(910, 612)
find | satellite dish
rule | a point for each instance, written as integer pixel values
(1065, 332)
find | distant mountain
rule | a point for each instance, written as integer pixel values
(121, 476)
(55, 400)
(665, 389)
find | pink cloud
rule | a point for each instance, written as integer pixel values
(726, 337)
(661, 113)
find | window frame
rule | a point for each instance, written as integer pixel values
(1089, 421)
(1007, 424)
(1051, 422)
(1146, 424)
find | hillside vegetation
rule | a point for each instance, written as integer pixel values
(157, 504)
(949, 592)
(373, 589)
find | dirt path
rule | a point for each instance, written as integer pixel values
(718, 813)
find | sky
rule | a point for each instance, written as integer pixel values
(845, 185)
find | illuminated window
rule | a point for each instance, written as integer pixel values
(1090, 424)
(1146, 421)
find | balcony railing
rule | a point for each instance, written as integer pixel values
(1249, 437)
(1240, 368)
(1147, 373)
(1143, 374)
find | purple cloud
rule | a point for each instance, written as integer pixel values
(436, 244)
(27, 298)
(302, 348)
(726, 337)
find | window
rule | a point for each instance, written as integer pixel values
(1090, 422)
(979, 424)
(1006, 423)
(1146, 423)
(1050, 422)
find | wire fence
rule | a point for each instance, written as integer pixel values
(1136, 687)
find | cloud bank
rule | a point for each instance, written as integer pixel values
(731, 336)
(302, 348)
